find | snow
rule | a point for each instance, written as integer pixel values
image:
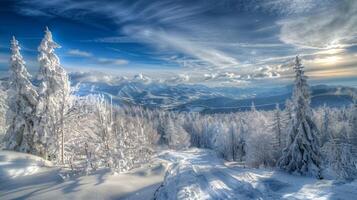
(14, 164)
(23, 176)
(200, 174)
(190, 174)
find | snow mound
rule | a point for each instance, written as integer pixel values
(15, 164)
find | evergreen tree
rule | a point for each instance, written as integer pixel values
(54, 93)
(302, 152)
(22, 100)
(278, 132)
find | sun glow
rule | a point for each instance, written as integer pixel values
(330, 60)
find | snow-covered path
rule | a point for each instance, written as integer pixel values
(200, 174)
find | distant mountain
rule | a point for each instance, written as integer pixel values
(152, 95)
(199, 98)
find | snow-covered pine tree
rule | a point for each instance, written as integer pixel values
(22, 101)
(54, 92)
(302, 152)
(278, 132)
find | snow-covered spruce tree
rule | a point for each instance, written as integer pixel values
(302, 152)
(22, 101)
(54, 92)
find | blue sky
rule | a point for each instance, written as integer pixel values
(227, 42)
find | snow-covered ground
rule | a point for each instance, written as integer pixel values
(191, 174)
(200, 174)
(23, 176)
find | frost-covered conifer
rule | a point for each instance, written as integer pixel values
(278, 127)
(176, 135)
(54, 93)
(302, 152)
(259, 141)
(22, 101)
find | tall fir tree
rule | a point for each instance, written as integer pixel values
(302, 153)
(22, 101)
(54, 92)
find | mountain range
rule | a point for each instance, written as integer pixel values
(201, 98)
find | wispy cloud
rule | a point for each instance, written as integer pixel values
(153, 14)
(113, 40)
(211, 39)
(110, 61)
(79, 53)
(165, 40)
(98, 60)
(333, 27)
(289, 7)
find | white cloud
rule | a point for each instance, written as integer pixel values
(266, 72)
(79, 53)
(332, 27)
(178, 79)
(112, 61)
(182, 44)
(96, 76)
(291, 6)
(100, 60)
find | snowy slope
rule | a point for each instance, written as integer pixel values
(24, 176)
(200, 174)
